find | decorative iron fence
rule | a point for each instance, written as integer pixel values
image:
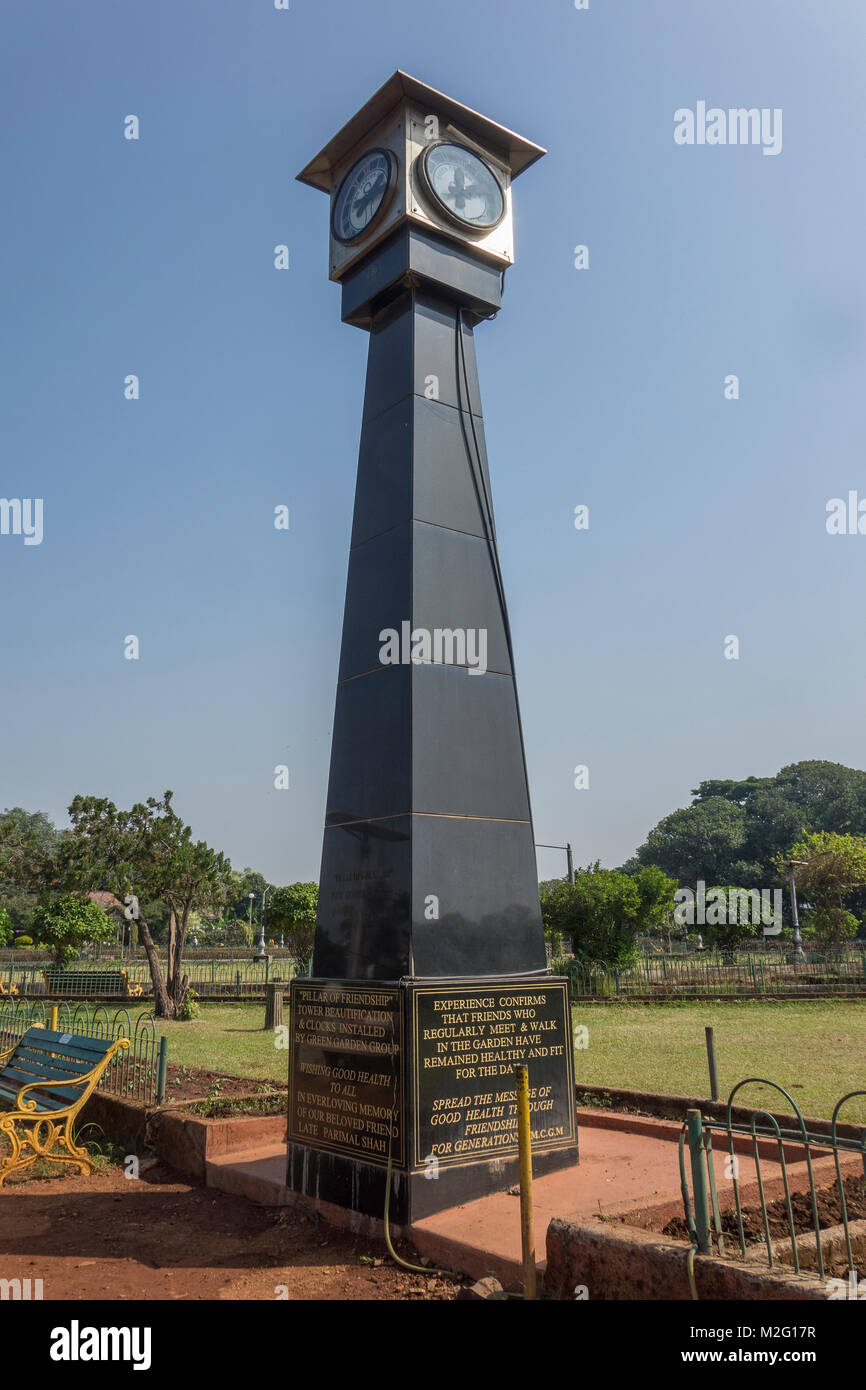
(136, 1073)
(788, 1219)
(211, 979)
(676, 977)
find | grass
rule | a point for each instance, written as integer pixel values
(228, 1038)
(815, 1049)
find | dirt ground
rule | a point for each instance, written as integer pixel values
(160, 1237)
(195, 1083)
(827, 1202)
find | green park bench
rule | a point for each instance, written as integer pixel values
(45, 1078)
(91, 983)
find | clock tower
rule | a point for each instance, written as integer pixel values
(429, 978)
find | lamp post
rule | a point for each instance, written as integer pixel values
(251, 896)
(260, 940)
(569, 857)
(798, 940)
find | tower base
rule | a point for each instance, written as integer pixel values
(418, 1076)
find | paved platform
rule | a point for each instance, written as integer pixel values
(628, 1171)
(620, 1168)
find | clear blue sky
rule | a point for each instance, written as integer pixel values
(602, 387)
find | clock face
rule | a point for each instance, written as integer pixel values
(363, 194)
(463, 186)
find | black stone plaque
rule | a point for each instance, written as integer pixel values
(346, 1069)
(439, 1058)
(466, 1040)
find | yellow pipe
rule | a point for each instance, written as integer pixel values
(52, 1017)
(524, 1144)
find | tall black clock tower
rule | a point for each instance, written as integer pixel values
(429, 973)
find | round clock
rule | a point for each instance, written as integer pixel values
(363, 194)
(462, 186)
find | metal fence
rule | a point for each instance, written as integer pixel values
(788, 1144)
(211, 979)
(136, 1073)
(665, 976)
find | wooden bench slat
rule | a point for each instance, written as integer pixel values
(65, 975)
(61, 982)
(61, 1052)
(80, 1065)
(77, 1044)
(51, 1066)
(57, 1098)
(74, 982)
(25, 1076)
(54, 1062)
(46, 1103)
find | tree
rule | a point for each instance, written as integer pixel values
(69, 921)
(696, 842)
(147, 851)
(599, 911)
(655, 898)
(250, 881)
(833, 868)
(212, 931)
(29, 844)
(734, 830)
(726, 919)
(292, 912)
(6, 928)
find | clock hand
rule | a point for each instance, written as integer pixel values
(460, 192)
(456, 188)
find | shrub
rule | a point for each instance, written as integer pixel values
(190, 1008)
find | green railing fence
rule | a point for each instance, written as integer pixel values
(814, 1245)
(137, 1073)
(753, 974)
(211, 979)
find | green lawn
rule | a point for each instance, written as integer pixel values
(815, 1049)
(228, 1038)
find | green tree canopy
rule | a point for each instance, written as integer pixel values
(603, 910)
(729, 920)
(242, 884)
(29, 845)
(697, 842)
(292, 912)
(655, 891)
(735, 829)
(831, 868)
(149, 852)
(69, 921)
